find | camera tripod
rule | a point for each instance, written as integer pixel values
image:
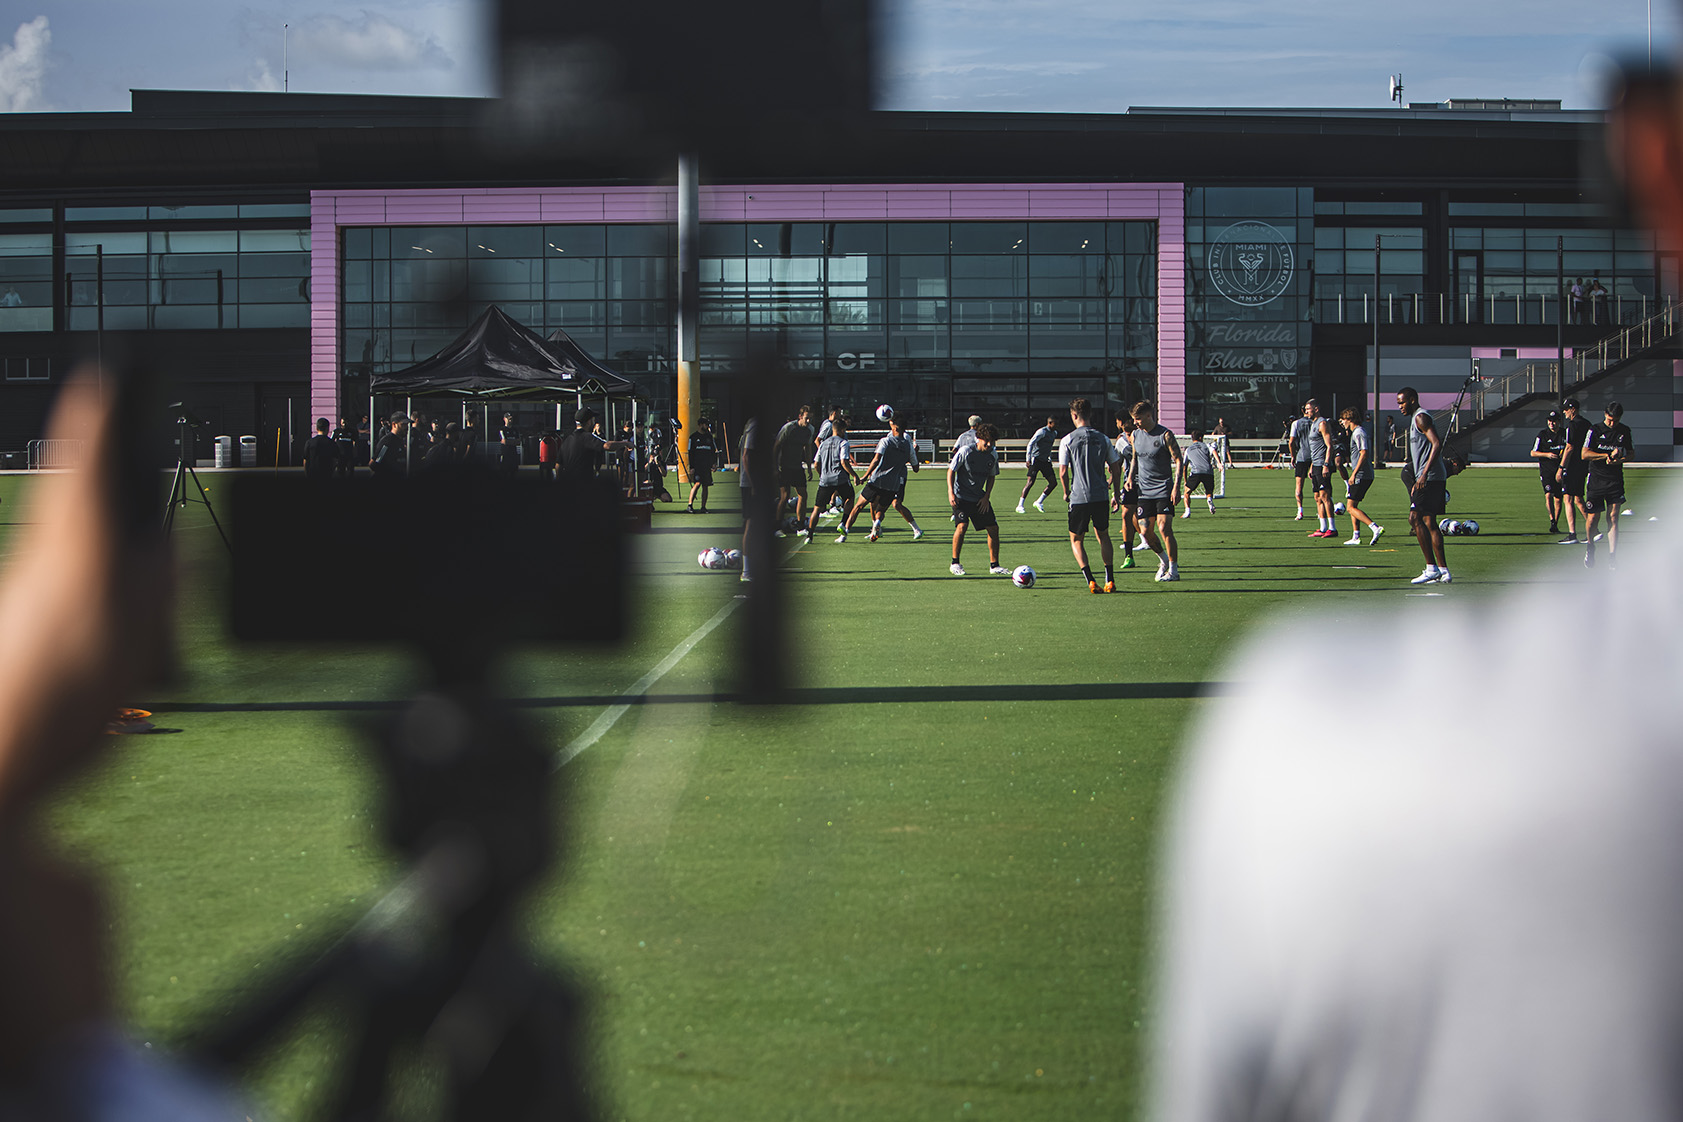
(179, 494)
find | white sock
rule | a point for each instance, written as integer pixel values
(913, 525)
(1431, 567)
(876, 524)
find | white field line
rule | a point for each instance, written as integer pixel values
(600, 726)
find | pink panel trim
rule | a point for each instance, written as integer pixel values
(1529, 354)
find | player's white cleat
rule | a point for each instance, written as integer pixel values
(1357, 540)
(1020, 509)
(807, 534)
(873, 535)
(1444, 577)
(1211, 504)
(1299, 514)
(1187, 513)
(841, 538)
(1173, 573)
(1376, 529)
(917, 532)
(1162, 570)
(999, 570)
(957, 569)
(1428, 576)
(1040, 504)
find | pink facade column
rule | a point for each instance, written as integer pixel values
(1161, 202)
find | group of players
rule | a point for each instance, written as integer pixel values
(1581, 467)
(1142, 473)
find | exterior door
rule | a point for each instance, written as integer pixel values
(279, 413)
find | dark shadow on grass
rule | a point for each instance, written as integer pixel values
(815, 695)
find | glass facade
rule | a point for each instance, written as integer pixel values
(1249, 328)
(163, 267)
(943, 318)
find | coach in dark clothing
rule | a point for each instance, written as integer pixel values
(583, 453)
(508, 452)
(321, 453)
(445, 451)
(391, 455)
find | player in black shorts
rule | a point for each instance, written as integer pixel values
(970, 478)
(1038, 458)
(1605, 451)
(1573, 471)
(1546, 450)
(791, 453)
(1130, 499)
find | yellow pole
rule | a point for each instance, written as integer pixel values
(689, 305)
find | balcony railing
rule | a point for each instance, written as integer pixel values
(1444, 308)
(1491, 395)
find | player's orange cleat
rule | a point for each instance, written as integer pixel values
(1110, 586)
(1092, 586)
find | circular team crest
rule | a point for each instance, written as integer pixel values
(1251, 263)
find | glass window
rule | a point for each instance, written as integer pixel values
(847, 238)
(41, 214)
(1584, 210)
(357, 243)
(1323, 207)
(274, 210)
(580, 241)
(789, 239)
(26, 245)
(1396, 237)
(113, 243)
(577, 278)
(274, 241)
(1066, 275)
(505, 241)
(1398, 207)
(195, 241)
(918, 237)
(639, 241)
(1245, 202)
(1486, 208)
(1066, 237)
(990, 237)
(417, 242)
(269, 290)
(1329, 237)
(722, 239)
(636, 278)
(183, 212)
(104, 213)
(274, 315)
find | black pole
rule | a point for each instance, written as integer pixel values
(1560, 316)
(1378, 457)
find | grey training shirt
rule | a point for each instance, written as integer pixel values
(832, 454)
(894, 456)
(1040, 444)
(1358, 445)
(1419, 448)
(1087, 454)
(1199, 460)
(1317, 443)
(1154, 469)
(972, 468)
(1300, 440)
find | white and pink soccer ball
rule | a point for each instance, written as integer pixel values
(885, 413)
(711, 558)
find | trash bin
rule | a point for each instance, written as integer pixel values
(248, 451)
(224, 451)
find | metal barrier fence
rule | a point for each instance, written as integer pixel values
(1443, 308)
(54, 453)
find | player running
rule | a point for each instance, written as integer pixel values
(1605, 450)
(1361, 477)
(1085, 457)
(1200, 472)
(1427, 489)
(1321, 444)
(1298, 444)
(1573, 471)
(885, 484)
(1039, 461)
(970, 478)
(836, 473)
(1156, 473)
(1546, 450)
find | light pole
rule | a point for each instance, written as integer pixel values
(1378, 458)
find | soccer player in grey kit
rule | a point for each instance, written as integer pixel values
(836, 473)
(1200, 472)
(885, 483)
(1039, 461)
(1085, 458)
(1156, 473)
(970, 478)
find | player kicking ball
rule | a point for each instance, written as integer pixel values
(970, 478)
(1085, 458)
(1200, 472)
(885, 483)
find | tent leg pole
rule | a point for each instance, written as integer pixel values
(408, 435)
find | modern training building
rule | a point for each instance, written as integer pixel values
(285, 247)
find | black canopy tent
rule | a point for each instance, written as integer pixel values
(500, 359)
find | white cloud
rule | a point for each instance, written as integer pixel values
(262, 78)
(371, 41)
(23, 67)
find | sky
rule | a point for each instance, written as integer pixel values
(977, 55)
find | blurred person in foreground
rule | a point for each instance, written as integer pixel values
(83, 606)
(1471, 912)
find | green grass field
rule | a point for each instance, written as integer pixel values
(924, 892)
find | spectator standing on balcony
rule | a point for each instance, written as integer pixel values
(11, 299)
(1598, 302)
(1575, 296)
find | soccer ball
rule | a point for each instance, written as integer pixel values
(1469, 527)
(1022, 576)
(885, 413)
(1454, 528)
(1338, 508)
(733, 558)
(1444, 525)
(711, 558)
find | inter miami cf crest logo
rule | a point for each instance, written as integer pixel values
(1251, 263)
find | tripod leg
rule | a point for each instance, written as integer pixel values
(177, 494)
(214, 521)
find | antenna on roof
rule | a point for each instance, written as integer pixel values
(1396, 88)
(286, 80)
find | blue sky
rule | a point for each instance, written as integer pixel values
(985, 55)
